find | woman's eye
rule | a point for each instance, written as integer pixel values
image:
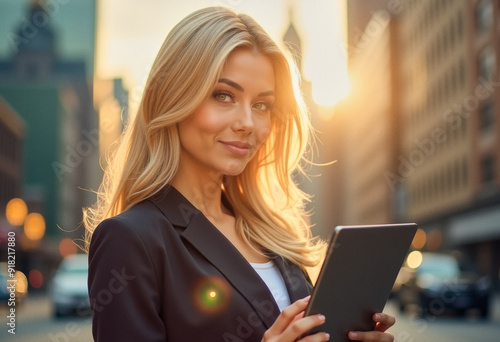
(222, 97)
(263, 106)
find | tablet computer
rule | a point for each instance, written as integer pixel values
(357, 276)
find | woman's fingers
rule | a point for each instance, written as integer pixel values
(373, 336)
(302, 326)
(287, 316)
(384, 321)
(291, 325)
(319, 337)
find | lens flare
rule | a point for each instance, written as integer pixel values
(212, 295)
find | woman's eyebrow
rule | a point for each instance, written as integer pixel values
(232, 84)
(267, 93)
(240, 88)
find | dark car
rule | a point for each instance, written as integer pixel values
(68, 290)
(438, 285)
(4, 292)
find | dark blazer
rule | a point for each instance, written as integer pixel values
(161, 271)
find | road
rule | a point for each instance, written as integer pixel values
(35, 323)
(446, 329)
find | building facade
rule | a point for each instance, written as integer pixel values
(450, 160)
(444, 172)
(12, 131)
(53, 95)
(371, 127)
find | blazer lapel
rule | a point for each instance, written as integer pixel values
(219, 251)
(294, 278)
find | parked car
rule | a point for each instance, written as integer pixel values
(68, 290)
(439, 285)
(18, 284)
(4, 292)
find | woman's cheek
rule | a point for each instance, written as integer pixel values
(263, 130)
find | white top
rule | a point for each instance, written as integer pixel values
(274, 281)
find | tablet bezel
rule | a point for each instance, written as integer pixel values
(364, 247)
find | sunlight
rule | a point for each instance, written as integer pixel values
(325, 60)
(330, 82)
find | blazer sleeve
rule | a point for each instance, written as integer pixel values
(123, 286)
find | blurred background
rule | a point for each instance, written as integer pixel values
(404, 95)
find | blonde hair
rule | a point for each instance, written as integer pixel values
(268, 205)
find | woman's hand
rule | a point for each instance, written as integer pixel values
(291, 324)
(384, 322)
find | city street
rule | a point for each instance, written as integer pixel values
(35, 323)
(446, 329)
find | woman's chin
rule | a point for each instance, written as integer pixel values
(233, 168)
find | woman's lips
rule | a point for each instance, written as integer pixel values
(237, 147)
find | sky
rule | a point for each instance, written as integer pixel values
(130, 33)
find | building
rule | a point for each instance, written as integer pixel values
(359, 134)
(360, 27)
(443, 58)
(12, 131)
(319, 207)
(371, 126)
(450, 162)
(73, 22)
(53, 96)
(111, 102)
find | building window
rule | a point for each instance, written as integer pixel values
(461, 72)
(487, 63)
(484, 15)
(460, 25)
(486, 116)
(465, 171)
(488, 169)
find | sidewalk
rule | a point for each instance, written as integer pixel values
(495, 307)
(33, 306)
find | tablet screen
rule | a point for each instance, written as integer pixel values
(357, 276)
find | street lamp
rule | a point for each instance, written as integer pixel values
(16, 211)
(34, 226)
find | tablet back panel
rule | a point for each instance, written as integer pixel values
(356, 279)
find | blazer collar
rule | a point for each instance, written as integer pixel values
(219, 251)
(295, 280)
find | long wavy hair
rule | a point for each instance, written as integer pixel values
(268, 205)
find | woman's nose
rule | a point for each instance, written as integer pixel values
(244, 119)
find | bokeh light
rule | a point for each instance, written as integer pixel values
(16, 211)
(34, 226)
(414, 259)
(434, 240)
(67, 247)
(419, 239)
(21, 283)
(35, 278)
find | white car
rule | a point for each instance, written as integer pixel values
(69, 292)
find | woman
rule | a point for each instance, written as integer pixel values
(198, 233)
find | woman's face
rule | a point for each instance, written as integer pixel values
(223, 135)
